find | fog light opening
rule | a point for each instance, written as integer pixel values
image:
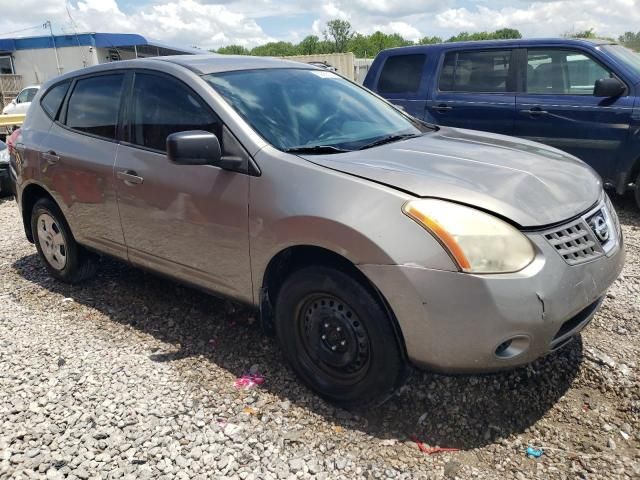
(512, 347)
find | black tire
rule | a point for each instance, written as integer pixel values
(319, 308)
(79, 264)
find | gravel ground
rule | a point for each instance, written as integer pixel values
(132, 376)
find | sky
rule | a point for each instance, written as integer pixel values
(213, 23)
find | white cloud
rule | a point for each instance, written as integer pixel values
(212, 23)
(548, 18)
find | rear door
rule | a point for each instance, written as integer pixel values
(188, 221)
(558, 107)
(77, 164)
(475, 89)
(402, 81)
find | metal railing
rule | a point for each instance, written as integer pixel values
(10, 86)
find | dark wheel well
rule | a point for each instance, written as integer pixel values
(30, 196)
(294, 258)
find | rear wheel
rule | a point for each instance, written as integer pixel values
(338, 338)
(63, 257)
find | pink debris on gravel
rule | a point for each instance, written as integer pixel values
(249, 381)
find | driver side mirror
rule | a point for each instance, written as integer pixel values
(608, 88)
(14, 101)
(194, 147)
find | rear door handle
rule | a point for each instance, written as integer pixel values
(129, 177)
(534, 112)
(442, 108)
(51, 157)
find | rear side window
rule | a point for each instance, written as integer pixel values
(402, 74)
(94, 105)
(162, 106)
(52, 100)
(477, 71)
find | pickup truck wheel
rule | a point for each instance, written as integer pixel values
(338, 338)
(63, 257)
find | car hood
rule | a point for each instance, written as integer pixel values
(529, 183)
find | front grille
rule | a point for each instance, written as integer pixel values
(575, 242)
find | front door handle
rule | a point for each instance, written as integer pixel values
(442, 108)
(51, 157)
(534, 112)
(129, 177)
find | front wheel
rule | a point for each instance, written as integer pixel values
(63, 257)
(338, 338)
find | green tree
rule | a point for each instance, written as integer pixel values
(503, 34)
(308, 45)
(506, 33)
(232, 50)
(339, 32)
(274, 49)
(630, 40)
(429, 40)
(590, 33)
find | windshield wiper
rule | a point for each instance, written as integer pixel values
(317, 149)
(389, 139)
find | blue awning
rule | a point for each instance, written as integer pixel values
(103, 40)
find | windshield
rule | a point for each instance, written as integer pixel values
(626, 56)
(299, 109)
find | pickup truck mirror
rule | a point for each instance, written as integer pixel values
(608, 88)
(194, 147)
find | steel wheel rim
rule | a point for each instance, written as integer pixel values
(52, 241)
(333, 338)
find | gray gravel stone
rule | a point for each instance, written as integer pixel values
(130, 376)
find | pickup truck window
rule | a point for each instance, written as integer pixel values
(562, 72)
(626, 56)
(402, 74)
(485, 71)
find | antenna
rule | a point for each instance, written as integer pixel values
(53, 39)
(73, 26)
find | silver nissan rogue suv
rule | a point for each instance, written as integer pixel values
(366, 238)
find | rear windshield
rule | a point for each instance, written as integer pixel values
(630, 58)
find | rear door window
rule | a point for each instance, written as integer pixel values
(562, 72)
(162, 106)
(52, 100)
(94, 105)
(402, 74)
(487, 71)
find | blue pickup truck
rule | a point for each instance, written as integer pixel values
(581, 96)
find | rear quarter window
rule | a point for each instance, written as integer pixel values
(402, 74)
(52, 100)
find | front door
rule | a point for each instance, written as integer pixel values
(558, 107)
(475, 90)
(189, 221)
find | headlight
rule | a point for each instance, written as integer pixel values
(477, 242)
(4, 156)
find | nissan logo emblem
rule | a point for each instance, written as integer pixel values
(600, 228)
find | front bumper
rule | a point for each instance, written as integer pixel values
(462, 323)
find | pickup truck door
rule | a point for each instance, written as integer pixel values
(475, 89)
(558, 108)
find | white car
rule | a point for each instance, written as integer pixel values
(21, 103)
